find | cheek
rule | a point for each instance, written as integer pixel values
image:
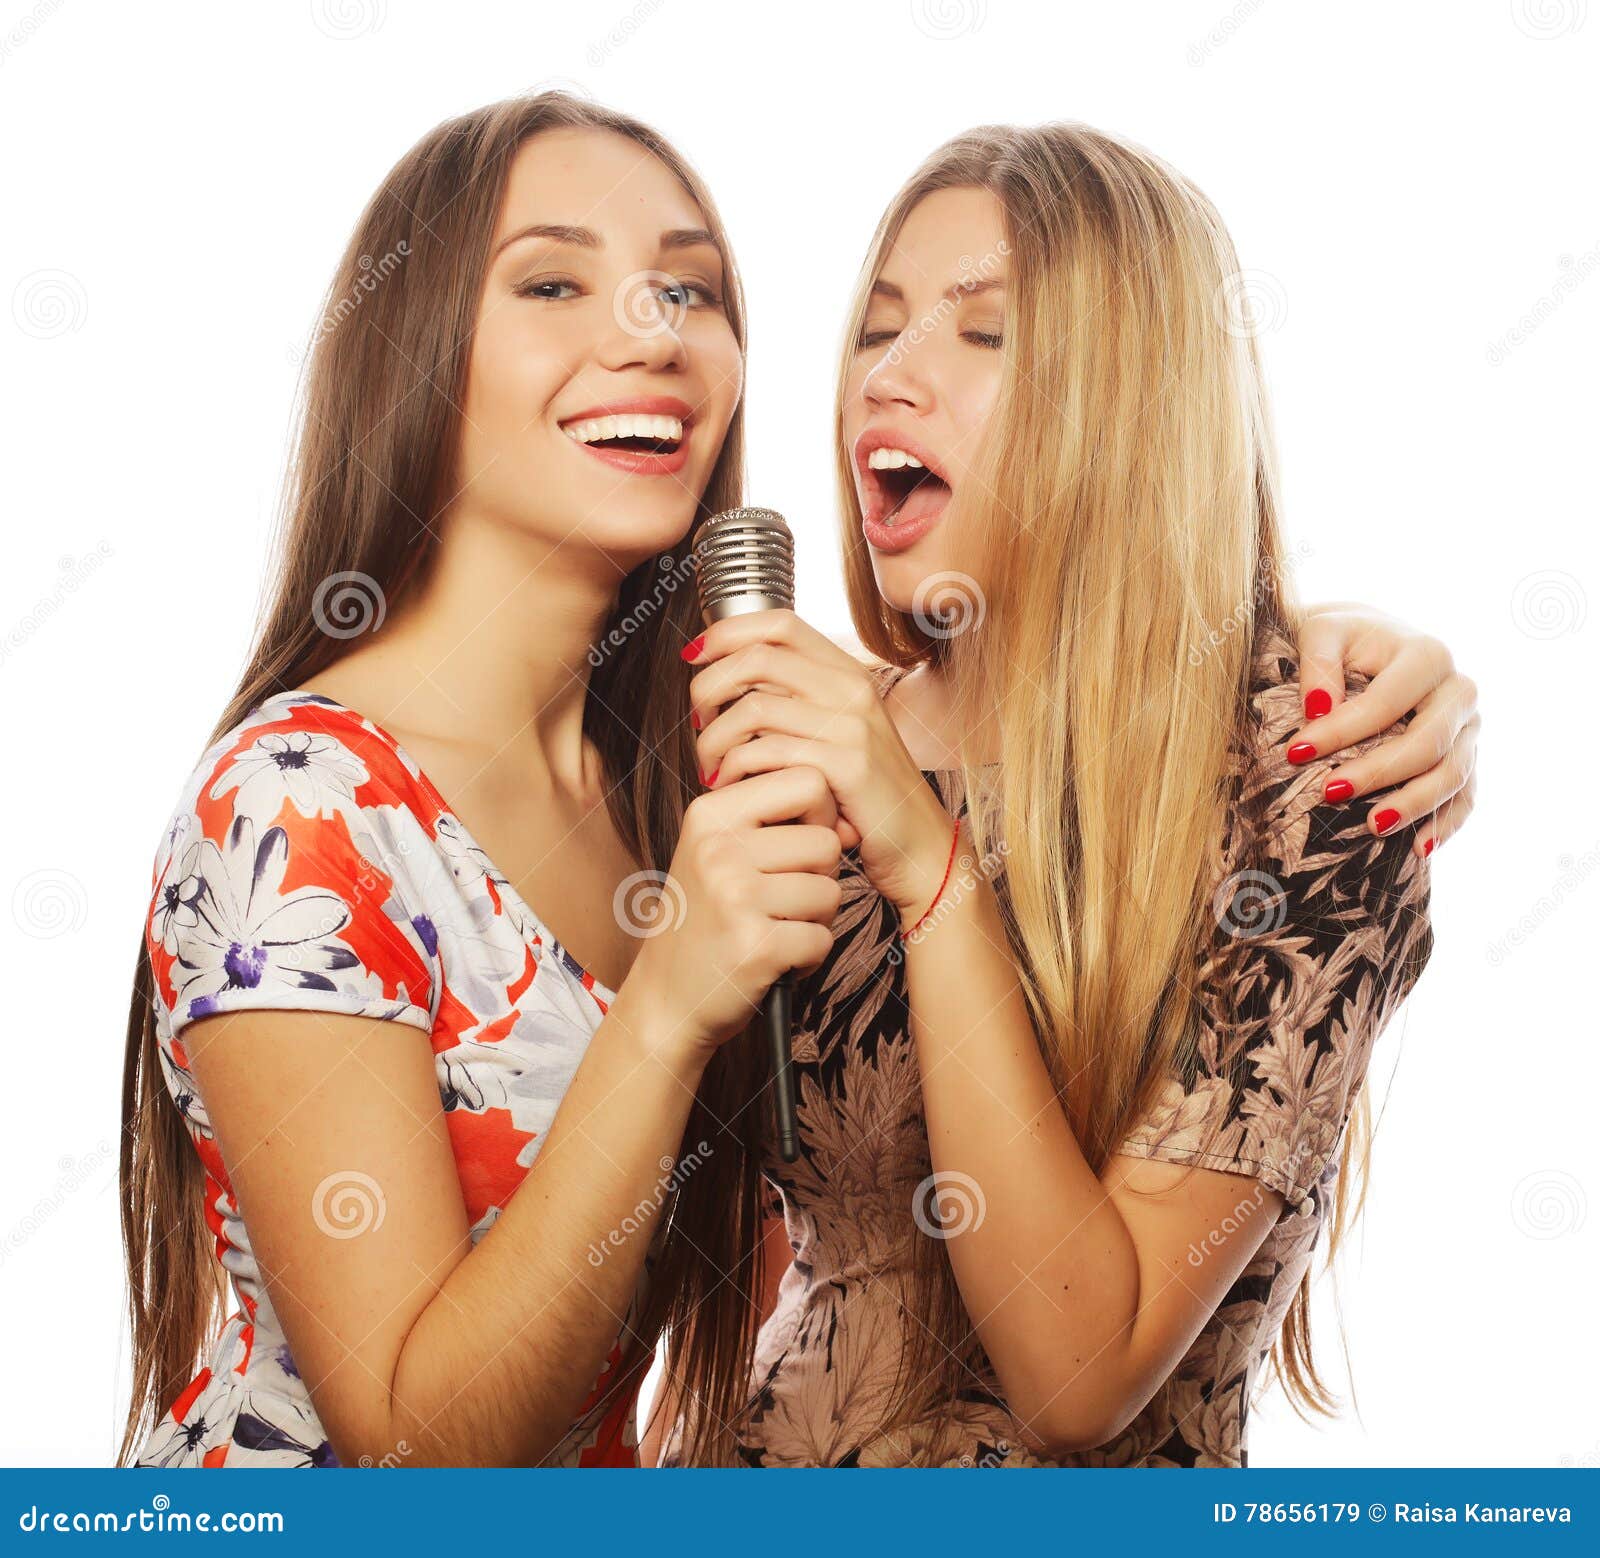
(973, 407)
(720, 360)
(514, 373)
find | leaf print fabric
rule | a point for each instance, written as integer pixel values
(311, 866)
(1322, 931)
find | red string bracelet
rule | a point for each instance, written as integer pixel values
(955, 840)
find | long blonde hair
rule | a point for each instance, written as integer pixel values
(390, 381)
(1123, 512)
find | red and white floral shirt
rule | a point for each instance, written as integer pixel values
(311, 866)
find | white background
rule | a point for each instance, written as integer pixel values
(1415, 188)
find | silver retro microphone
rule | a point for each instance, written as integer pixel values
(744, 562)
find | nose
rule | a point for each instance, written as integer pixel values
(646, 327)
(900, 378)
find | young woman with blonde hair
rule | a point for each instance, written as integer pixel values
(1119, 934)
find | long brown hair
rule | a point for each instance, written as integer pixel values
(1131, 431)
(370, 481)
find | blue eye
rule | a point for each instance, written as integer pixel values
(689, 294)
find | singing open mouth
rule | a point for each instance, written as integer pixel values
(904, 489)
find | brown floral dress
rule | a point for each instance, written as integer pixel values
(1323, 929)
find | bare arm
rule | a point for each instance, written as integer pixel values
(404, 1331)
(1079, 1285)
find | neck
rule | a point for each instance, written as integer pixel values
(494, 651)
(925, 706)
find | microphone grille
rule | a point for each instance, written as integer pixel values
(744, 561)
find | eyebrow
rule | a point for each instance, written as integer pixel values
(588, 238)
(956, 290)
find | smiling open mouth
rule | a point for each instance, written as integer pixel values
(633, 434)
(896, 477)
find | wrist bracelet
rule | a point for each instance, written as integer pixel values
(955, 840)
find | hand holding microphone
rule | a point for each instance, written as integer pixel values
(773, 695)
(744, 563)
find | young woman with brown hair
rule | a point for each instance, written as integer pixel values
(353, 1023)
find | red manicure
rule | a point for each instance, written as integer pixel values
(1302, 752)
(1318, 701)
(693, 647)
(1386, 819)
(710, 779)
(694, 718)
(1427, 848)
(1338, 790)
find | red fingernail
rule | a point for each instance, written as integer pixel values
(1302, 752)
(694, 718)
(693, 647)
(1318, 701)
(1338, 790)
(1427, 848)
(1386, 819)
(711, 779)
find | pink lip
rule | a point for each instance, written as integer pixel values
(893, 538)
(638, 462)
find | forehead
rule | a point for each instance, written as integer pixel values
(945, 235)
(593, 178)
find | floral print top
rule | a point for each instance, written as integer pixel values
(311, 866)
(1322, 930)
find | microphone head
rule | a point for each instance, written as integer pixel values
(744, 561)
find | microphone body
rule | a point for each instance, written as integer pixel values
(744, 562)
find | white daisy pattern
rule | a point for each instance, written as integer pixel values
(310, 865)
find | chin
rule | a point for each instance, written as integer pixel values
(629, 535)
(899, 574)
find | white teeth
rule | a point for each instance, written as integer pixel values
(891, 460)
(662, 429)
